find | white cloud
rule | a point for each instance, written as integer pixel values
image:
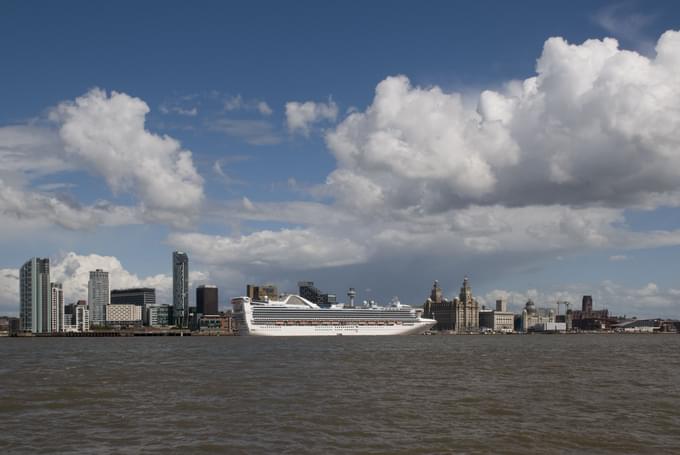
(9, 292)
(31, 150)
(255, 132)
(596, 125)
(301, 116)
(618, 258)
(107, 135)
(236, 103)
(45, 207)
(189, 112)
(264, 108)
(621, 21)
(292, 249)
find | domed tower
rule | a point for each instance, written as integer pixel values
(530, 307)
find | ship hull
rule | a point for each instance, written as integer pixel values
(335, 330)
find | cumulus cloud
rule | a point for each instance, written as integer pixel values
(106, 133)
(301, 116)
(543, 168)
(595, 125)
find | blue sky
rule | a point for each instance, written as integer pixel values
(275, 142)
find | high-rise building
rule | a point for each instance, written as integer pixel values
(587, 304)
(98, 296)
(180, 288)
(56, 307)
(34, 296)
(259, 292)
(82, 317)
(206, 299)
(158, 315)
(501, 305)
(135, 296)
(314, 295)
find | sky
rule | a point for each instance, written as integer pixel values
(532, 147)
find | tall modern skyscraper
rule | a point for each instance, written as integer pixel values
(34, 296)
(98, 296)
(180, 288)
(56, 307)
(206, 299)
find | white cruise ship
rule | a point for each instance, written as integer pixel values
(296, 316)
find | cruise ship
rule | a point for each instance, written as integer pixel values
(297, 316)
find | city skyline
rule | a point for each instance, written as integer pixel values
(537, 154)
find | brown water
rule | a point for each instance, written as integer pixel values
(440, 394)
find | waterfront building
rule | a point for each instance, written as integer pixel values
(310, 292)
(81, 319)
(158, 315)
(503, 320)
(467, 310)
(180, 288)
(460, 314)
(499, 320)
(141, 297)
(98, 296)
(14, 326)
(124, 315)
(589, 319)
(56, 307)
(260, 293)
(207, 299)
(34, 296)
(222, 324)
(9, 326)
(69, 318)
(486, 318)
(438, 308)
(69, 312)
(536, 319)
